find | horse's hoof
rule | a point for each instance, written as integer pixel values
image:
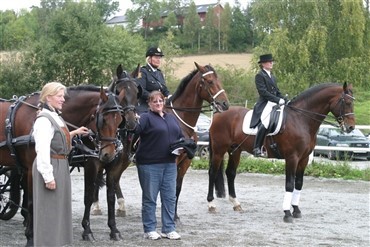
(288, 219)
(212, 209)
(116, 236)
(120, 213)
(297, 215)
(238, 208)
(88, 237)
(96, 212)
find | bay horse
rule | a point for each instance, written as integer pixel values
(94, 168)
(202, 84)
(295, 141)
(84, 106)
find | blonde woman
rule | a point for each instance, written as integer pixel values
(52, 207)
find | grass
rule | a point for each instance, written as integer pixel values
(277, 167)
(362, 109)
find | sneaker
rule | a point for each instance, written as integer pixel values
(171, 235)
(152, 235)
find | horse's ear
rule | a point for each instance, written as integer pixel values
(119, 71)
(103, 95)
(345, 86)
(200, 68)
(135, 73)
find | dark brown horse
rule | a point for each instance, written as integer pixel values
(94, 169)
(294, 142)
(84, 106)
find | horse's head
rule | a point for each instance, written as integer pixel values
(108, 118)
(210, 88)
(128, 91)
(342, 108)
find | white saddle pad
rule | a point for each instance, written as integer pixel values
(247, 121)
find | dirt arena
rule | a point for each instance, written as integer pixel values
(335, 213)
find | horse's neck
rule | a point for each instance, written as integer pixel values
(187, 107)
(312, 112)
(79, 109)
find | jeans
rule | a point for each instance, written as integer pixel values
(154, 179)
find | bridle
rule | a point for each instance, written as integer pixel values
(213, 103)
(100, 112)
(129, 107)
(340, 119)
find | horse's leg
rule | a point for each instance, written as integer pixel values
(111, 200)
(95, 207)
(24, 210)
(90, 175)
(29, 222)
(298, 187)
(290, 170)
(182, 167)
(121, 210)
(232, 165)
(215, 171)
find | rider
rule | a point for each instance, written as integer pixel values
(269, 96)
(151, 78)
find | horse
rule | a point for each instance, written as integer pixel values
(93, 172)
(84, 105)
(294, 143)
(202, 84)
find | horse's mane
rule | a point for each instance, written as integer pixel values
(312, 90)
(185, 81)
(91, 88)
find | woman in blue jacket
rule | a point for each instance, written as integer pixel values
(157, 167)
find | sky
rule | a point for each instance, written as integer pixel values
(124, 4)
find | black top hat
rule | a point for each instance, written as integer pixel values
(265, 58)
(154, 51)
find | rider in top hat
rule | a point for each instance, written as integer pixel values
(151, 78)
(269, 96)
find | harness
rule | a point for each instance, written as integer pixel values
(11, 142)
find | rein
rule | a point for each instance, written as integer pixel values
(314, 115)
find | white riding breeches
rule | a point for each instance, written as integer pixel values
(265, 116)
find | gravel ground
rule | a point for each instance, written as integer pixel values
(334, 213)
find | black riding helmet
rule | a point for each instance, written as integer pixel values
(154, 51)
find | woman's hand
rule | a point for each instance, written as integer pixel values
(51, 185)
(80, 131)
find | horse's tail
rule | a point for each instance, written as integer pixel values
(219, 181)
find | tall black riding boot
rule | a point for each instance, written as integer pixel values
(259, 140)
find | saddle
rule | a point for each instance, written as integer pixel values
(277, 117)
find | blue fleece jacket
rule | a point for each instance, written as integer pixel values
(156, 136)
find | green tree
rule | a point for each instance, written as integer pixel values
(210, 30)
(313, 40)
(192, 27)
(238, 30)
(225, 25)
(147, 10)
